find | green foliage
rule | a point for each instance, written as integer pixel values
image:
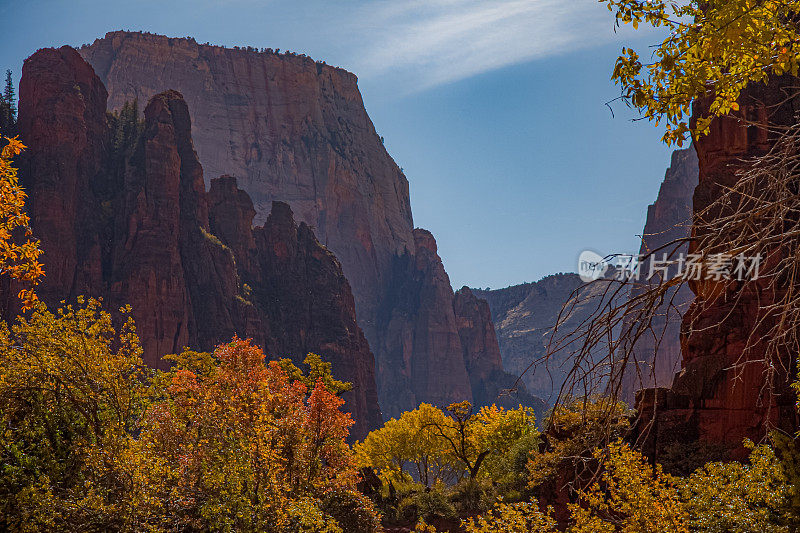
(72, 395)
(473, 496)
(631, 495)
(314, 369)
(126, 128)
(428, 504)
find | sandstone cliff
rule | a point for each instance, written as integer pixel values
(490, 382)
(142, 232)
(289, 129)
(295, 130)
(658, 355)
(719, 397)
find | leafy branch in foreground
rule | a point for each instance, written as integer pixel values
(713, 50)
(19, 252)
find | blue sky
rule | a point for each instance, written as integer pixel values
(494, 108)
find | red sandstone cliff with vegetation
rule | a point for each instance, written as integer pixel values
(122, 213)
(725, 391)
(291, 129)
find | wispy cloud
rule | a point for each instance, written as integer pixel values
(426, 43)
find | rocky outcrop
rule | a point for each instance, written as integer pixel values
(142, 232)
(656, 357)
(289, 129)
(421, 345)
(719, 397)
(491, 384)
(524, 316)
(62, 119)
(295, 130)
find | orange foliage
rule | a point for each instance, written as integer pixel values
(240, 440)
(18, 260)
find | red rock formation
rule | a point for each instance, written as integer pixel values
(295, 130)
(298, 288)
(289, 129)
(715, 398)
(62, 119)
(491, 384)
(141, 233)
(658, 355)
(421, 342)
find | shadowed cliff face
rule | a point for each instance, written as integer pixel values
(525, 316)
(142, 232)
(658, 355)
(491, 384)
(291, 129)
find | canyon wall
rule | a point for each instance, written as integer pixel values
(295, 130)
(720, 396)
(525, 317)
(132, 223)
(656, 356)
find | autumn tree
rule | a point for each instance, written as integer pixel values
(408, 448)
(438, 446)
(72, 395)
(91, 439)
(712, 50)
(472, 437)
(245, 446)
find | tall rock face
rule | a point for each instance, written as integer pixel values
(295, 130)
(135, 225)
(421, 343)
(289, 129)
(719, 397)
(62, 119)
(656, 357)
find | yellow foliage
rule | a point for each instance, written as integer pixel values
(437, 447)
(576, 428)
(633, 497)
(713, 50)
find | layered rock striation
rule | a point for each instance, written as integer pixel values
(133, 223)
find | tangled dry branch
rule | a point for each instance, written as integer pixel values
(755, 214)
